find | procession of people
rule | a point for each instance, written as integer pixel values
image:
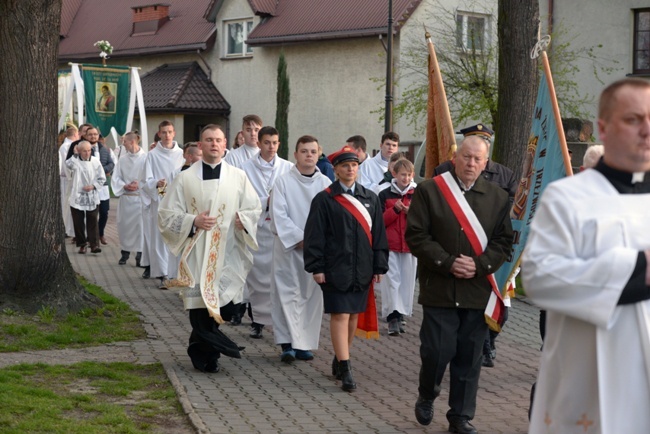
(248, 233)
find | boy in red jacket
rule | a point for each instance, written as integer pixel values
(399, 283)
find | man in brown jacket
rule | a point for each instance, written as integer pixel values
(454, 286)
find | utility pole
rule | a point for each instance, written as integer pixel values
(388, 116)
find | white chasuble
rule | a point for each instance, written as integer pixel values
(296, 299)
(218, 259)
(582, 249)
(371, 172)
(129, 208)
(263, 175)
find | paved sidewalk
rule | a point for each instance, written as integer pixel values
(260, 394)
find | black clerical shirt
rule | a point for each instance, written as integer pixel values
(635, 289)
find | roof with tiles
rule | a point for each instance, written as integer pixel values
(182, 88)
(263, 7)
(301, 21)
(85, 22)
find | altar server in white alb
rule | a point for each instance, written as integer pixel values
(296, 299)
(587, 263)
(163, 163)
(372, 171)
(262, 171)
(126, 185)
(250, 128)
(209, 217)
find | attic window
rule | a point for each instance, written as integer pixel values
(235, 34)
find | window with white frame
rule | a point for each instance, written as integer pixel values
(641, 47)
(235, 33)
(472, 31)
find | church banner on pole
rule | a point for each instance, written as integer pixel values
(106, 90)
(547, 159)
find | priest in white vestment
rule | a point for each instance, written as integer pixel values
(586, 263)
(296, 299)
(71, 135)
(209, 217)
(125, 182)
(262, 171)
(163, 163)
(251, 126)
(371, 172)
(88, 178)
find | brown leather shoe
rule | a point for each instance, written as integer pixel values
(82, 250)
(103, 241)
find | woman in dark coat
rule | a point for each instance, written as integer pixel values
(345, 248)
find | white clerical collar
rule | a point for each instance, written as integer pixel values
(212, 166)
(638, 177)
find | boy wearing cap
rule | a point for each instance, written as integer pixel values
(345, 248)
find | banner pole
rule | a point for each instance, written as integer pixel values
(556, 114)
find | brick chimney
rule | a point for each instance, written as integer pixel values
(149, 18)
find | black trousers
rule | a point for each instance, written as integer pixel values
(207, 342)
(85, 221)
(452, 337)
(104, 207)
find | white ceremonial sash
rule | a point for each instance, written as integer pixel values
(495, 309)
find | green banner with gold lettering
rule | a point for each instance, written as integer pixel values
(106, 90)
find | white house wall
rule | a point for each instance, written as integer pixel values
(589, 24)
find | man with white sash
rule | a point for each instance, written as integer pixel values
(262, 171)
(251, 125)
(209, 217)
(371, 172)
(126, 186)
(586, 263)
(163, 163)
(296, 299)
(458, 226)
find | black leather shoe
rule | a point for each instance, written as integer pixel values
(236, 319)
(212, 367)
(138, 257)
(424, 410)
(256, 331)
(487, 361)
(335, 369)
(347, 381)
(146, 273)
(124, 258)
(462, 426)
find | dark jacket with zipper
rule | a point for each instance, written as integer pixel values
(437, 239)
(336, 244)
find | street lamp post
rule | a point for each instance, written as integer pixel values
(388, 116)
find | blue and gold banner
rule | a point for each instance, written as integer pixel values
(106, 90)
(543, 164)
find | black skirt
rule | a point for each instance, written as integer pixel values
(345, 302)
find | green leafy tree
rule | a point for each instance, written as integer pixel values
(469, 61)
(282, 107)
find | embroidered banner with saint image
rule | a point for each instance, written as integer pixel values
(106, 90)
